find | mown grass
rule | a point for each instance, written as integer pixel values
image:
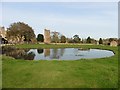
(84, 73)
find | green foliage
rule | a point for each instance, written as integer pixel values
(88, 40)
(69, 40)
(100, 41)
(55, 39)
(18, 31)
(76, 39)
(40, 38)
(63, 39)
(111, 39)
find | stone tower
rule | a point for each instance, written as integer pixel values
(47, 38)
(2, 32)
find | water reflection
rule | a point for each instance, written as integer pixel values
(62, 50)
(39, 51)
(18, 53)
(46, 52)
(29, 54)
(58, 53)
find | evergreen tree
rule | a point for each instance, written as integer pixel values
(40, 38)
(100, 41)
(88, 40)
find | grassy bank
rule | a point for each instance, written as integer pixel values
(92, 73)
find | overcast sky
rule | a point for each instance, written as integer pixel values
(94, 19)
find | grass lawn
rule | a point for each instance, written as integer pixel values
(84, 73)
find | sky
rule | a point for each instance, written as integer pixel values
(94, 19)
(59, 0)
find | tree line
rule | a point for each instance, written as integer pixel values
(20, 32)
(64, 39)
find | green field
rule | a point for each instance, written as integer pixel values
(91, 73)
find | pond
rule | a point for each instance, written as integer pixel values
(57, 54)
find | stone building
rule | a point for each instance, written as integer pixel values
(3, 39)
(47, 38)
(2, 32)
(113, 43)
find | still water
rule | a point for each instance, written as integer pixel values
(58, 54)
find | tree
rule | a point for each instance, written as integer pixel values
(88, 40)
(111, 39)
(93, 41)
(63, 39)
(76, 39)
(69, 40)
(19, 32)
(55, 37)
(40, 38)
(100, 41)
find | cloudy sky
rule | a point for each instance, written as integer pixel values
(94, 19)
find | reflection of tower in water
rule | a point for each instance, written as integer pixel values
(46, 52)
